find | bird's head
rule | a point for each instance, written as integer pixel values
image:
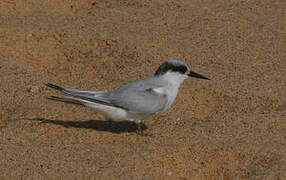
(176, 71)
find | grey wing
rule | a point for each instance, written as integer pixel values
(137, 97)
(100, 97)
(136, 100)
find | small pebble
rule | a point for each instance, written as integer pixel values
(33, 89)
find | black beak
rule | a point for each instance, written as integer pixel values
(197, 75)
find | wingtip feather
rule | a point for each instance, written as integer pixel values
(65, 100)
(53, 86)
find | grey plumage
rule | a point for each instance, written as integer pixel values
(127, 97)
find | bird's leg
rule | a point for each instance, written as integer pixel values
(139, 129)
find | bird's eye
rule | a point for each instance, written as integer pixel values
(181, 69)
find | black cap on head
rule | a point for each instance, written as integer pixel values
(177, 66)
(173, 66)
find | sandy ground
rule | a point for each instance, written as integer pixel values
(232, 127)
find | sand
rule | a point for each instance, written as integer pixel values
(232, 127)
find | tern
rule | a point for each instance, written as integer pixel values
(137, 100)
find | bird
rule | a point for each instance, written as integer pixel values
(137, 100)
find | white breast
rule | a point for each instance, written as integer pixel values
(173, 83)
(171, 95)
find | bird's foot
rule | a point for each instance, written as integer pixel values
(139, 130)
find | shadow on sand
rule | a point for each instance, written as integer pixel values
(99, 125)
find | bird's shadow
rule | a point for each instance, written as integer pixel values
(98, 125)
